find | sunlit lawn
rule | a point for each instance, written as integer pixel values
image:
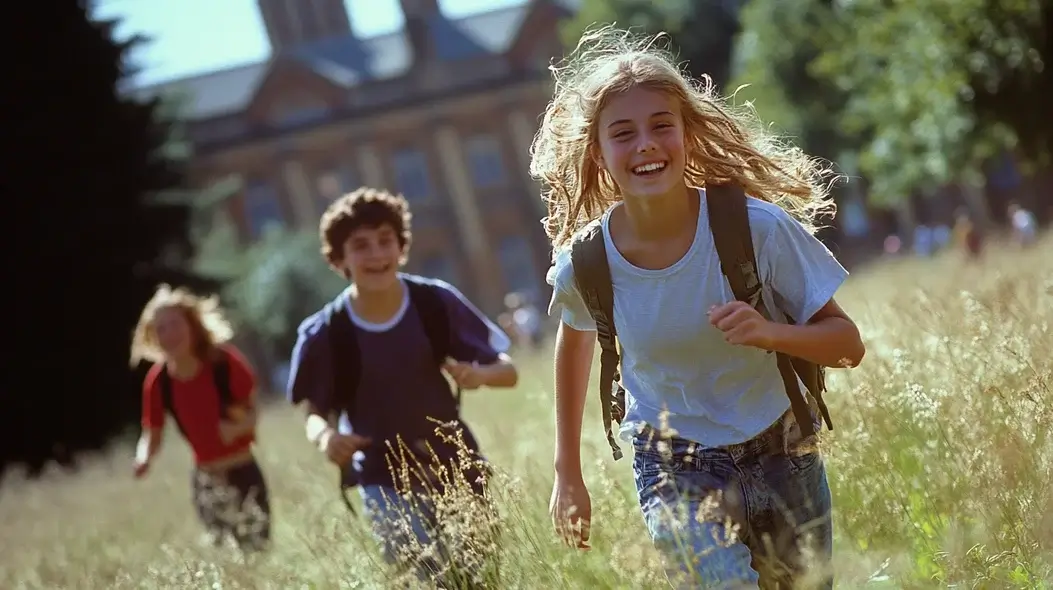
(942, 467)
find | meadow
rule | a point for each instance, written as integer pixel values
(941, 467)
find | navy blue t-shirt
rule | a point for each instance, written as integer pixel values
(401, 392)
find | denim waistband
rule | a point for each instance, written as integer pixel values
(782, 437)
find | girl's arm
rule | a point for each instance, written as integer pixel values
(149, 444)
(830, 338)
(573, 363)
(243, 416)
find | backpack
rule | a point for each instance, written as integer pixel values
(730, 226)
(221, 378)
(434, 316)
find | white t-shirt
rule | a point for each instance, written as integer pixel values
(715, 393)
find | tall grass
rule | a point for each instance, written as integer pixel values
(941, 466)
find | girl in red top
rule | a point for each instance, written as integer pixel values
(206, 385)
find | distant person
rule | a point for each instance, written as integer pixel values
(941, 235)
(892, 245)
(967, 236)
(524, 319)
(374, 358)
(209, 389)
(924, 242)
(1024, 224)
(645, 176)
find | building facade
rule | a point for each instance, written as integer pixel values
(442, 111)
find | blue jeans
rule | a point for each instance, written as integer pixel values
(411, 535)
(752, 515)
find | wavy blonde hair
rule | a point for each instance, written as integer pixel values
(723, 143)
(208, 326)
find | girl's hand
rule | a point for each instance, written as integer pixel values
(571, 510)
(742, 325)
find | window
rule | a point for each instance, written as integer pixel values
(331, 184)
(262, 209)
(485, 160)
(439, 266)
(411, 173)
(518, 265)
(300, 111)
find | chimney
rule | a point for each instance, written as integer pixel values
(292, 22)
(418, 15)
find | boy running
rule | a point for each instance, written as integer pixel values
(375, 358)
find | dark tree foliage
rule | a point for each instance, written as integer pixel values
(81, 164)
(702, 31)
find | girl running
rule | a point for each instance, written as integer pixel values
(731, 493)
(210, 391)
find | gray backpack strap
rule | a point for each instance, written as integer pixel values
(592, 276)
(730, 225)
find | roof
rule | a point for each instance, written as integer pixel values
(348, 60)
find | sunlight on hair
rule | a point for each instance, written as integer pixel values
(723, 142)
(206, 319)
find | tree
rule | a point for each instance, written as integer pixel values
(913, 71)
(701, 30)
(272, 285)
(82, 163)
(772, 67)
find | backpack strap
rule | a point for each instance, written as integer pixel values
(345, 357)
(592, 275)
(164, 382)
(730, 225)
(221, 379)
(435, 318)
(345, 363)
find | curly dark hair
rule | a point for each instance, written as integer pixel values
(365, 207)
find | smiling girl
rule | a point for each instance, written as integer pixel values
(730, 493)
(206, 385)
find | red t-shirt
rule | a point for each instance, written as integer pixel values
(196, 402)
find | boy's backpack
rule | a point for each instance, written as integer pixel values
(221, 378)
(730, 226)
(343, 343)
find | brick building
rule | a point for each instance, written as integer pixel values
(442, 111)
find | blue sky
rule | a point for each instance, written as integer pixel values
(193, 36)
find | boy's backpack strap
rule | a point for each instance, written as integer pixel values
(345, 365)
(592, 275)
(345, 360)
(730, 226)
(435, 317)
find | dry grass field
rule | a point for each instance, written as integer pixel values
(941, 466)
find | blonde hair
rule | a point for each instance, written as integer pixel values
(208, 327)
(723, 143)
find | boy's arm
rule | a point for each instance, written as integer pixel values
(477, 343)
(310, 381)
(500, 373)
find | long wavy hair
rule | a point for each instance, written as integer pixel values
(723, 142)
(208, 326)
